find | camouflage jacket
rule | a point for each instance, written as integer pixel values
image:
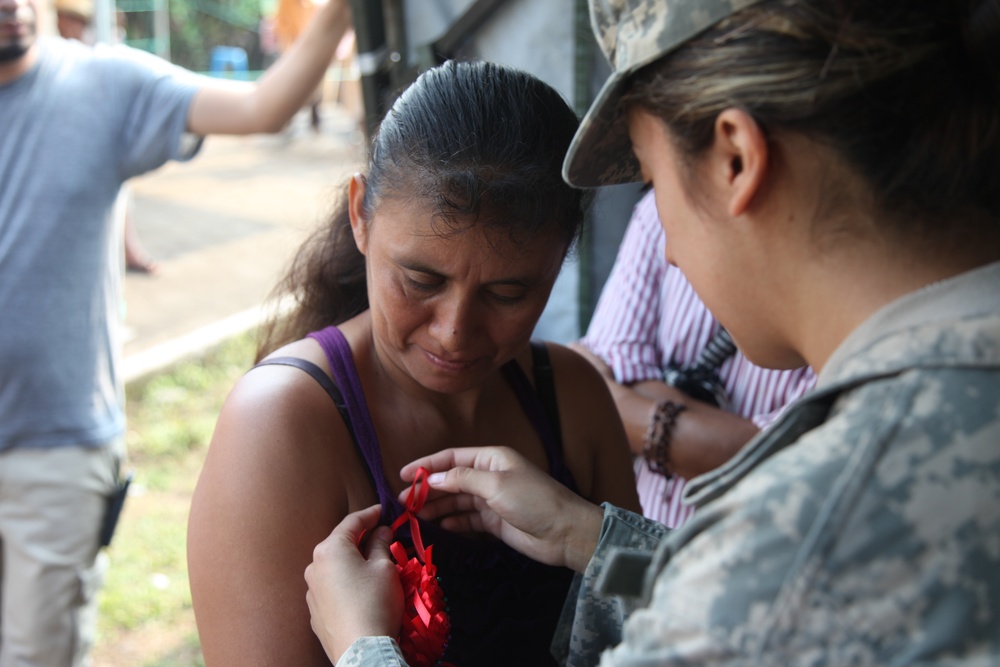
(862, 528)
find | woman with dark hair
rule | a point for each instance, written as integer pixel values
(416, 305)
(827, 174)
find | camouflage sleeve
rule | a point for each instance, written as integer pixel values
(870, 539)
(373, 652)
(591, 622)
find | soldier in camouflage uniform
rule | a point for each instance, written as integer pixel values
(863, 527)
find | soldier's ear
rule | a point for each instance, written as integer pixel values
(740, 159)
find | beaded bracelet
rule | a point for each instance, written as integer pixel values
(656, 445)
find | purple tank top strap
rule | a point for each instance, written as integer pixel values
(528, 398)
(345, 374)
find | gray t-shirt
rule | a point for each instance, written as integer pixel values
(75, 127)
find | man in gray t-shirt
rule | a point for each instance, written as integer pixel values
(78, 122)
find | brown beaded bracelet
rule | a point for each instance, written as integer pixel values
(656, 445)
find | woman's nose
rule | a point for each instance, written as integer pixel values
(453, 323)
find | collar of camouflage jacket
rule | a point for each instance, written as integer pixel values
(953, 323)
(943, 324)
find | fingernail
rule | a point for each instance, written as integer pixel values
(435, 478)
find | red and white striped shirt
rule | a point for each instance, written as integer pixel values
(648, 316)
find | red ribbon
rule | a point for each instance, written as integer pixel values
(426, 626)
(414, 503)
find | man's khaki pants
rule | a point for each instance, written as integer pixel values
(52, 502)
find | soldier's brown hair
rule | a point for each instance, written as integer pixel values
(907, 91)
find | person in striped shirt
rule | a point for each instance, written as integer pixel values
(648, 318)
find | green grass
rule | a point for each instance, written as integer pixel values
(145, 617)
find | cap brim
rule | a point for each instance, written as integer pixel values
(601, 152)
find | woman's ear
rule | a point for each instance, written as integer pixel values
(741, 153)
(355, 208)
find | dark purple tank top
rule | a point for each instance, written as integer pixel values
(503, 606)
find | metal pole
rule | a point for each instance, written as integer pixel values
(369, 30)
(161, 28)
(583, 54)
(104, 12)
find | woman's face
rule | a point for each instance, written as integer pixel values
(661, 169)
(715, 251)
(691, 239)
(448, 310)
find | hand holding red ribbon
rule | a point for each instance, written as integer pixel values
(426, 626)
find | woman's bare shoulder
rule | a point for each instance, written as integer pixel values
(594, 442)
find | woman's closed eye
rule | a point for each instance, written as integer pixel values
(424, 282)
(508, 294)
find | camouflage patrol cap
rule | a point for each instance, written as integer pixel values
(632, 34)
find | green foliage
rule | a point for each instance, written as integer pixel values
(147, 577)
(171, 417)
(197, 26)
(173, 414)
